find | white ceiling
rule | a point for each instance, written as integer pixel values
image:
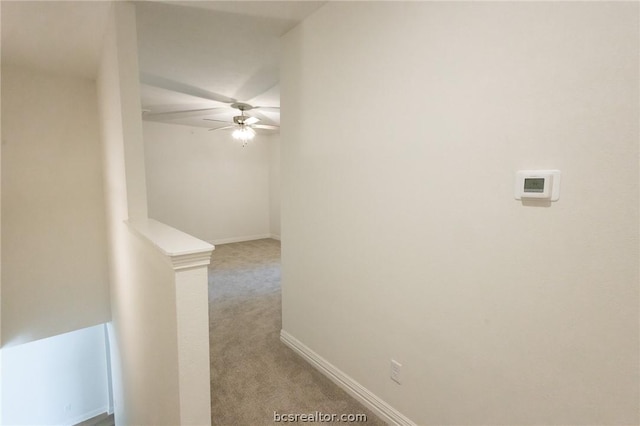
(207, 54)
(192, 54)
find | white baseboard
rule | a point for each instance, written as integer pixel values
(239, 239)
(355, 389)
(275, 237)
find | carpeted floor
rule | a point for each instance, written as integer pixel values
(253, 374)
(103, 419)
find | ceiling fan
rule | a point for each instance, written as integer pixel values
(243, 125)
(194, 114)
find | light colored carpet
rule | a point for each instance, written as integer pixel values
(103, 419)
(253, 374)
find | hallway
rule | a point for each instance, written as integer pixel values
(253, 375)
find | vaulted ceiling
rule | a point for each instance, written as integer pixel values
(194, 56)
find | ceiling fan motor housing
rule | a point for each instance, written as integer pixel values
(241, 106)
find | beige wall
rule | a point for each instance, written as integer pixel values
(53, 222)
(274, 185)
(206, 184)
(143, 331)
(405, 125)
(160, 362)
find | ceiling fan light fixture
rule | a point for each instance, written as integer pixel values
(243, 133)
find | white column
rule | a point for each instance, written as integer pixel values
(189, 258)
(192, 309)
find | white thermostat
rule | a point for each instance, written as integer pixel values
(538, 185)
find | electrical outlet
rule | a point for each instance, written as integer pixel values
(395, 371)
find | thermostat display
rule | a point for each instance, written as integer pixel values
(538, 184)
(533, 184)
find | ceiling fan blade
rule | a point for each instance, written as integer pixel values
(174, 115)
(222, 128)
(251, 120)
(268, 117)
(221, 121)
(265, 127)
(273, 108)
(176, 86)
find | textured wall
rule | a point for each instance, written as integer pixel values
(143, 330)
(274, 185)
(54, 275)
(405, 124)
(58, 380)
(154, 384)
(206, 184)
